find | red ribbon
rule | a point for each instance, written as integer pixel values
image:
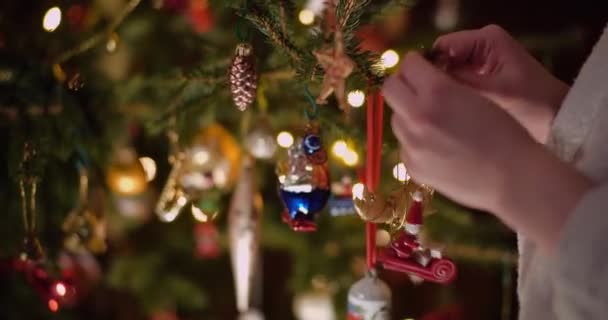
(375, 113)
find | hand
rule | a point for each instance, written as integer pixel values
(472, 151)
(496, 66)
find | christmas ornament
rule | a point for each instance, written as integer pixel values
(260, 141)
(243, 77)
(172, 198)
(369, 299)
(304, 181)
(338, 66)
(201, 16)
(341, 202)
(314, 305)
(209, 164)
(83, 228)
(126, 176)
(244, 236)
(407, 254)
(31, 250)
(207, 240)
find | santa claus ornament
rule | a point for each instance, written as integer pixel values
(406, 253)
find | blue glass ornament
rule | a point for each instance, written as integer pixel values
(311, 144)
(304, 205)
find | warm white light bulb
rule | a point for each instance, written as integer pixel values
(307, 17)
(199, 215)
(350, 157)
(389, 58)
(52, 19)
(400, 172)
(285, 139)
(339, 148)
(356, 98)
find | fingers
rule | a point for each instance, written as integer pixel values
(399, 94)
(459, 46)
(420, 73)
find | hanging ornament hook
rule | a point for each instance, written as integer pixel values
(310, 115)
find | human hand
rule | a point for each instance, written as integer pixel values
(470, 150)
(496, 66)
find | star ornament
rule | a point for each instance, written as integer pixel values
(338, 66)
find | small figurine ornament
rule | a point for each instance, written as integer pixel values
(338, 66)
(407, 254)
(304, 181)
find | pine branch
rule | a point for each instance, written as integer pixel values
(99, 37)
(273, 30)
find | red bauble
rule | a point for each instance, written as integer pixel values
(207, 240)
(201, 16)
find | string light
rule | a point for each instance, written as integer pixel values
(60, 289)
(307, 17)
(400, 172)
(51, 19)
(53, 305)
(350, 158)
(285, 139)
(339, 148)
(389, 59)
(356, 98)
(149, 166)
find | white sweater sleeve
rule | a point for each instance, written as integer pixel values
(581, 273)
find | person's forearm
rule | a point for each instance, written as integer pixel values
(537, 195)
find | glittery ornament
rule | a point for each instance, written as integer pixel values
(369, 299)
(338, 66)
(243, 77)
(304, 183)
(260, 141)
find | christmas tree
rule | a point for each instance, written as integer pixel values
(163, 158)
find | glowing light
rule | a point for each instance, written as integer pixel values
(350, 158)
(389, 59)
(285, 139)
(200, 156)
(171, 214)
(400, 172)
(149, 166)
(307, 17)
(126, 184)
(199, 215)
(52, 19)
(112, 43)
(60, 289)
(356, 98)
(358, 189)
(53, 305)
(339, 148)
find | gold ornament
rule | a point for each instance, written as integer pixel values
(84, 229)
(391, 209)
(172, 198)
(338, 66)
(126, 175)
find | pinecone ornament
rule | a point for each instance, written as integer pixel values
(243, 77)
